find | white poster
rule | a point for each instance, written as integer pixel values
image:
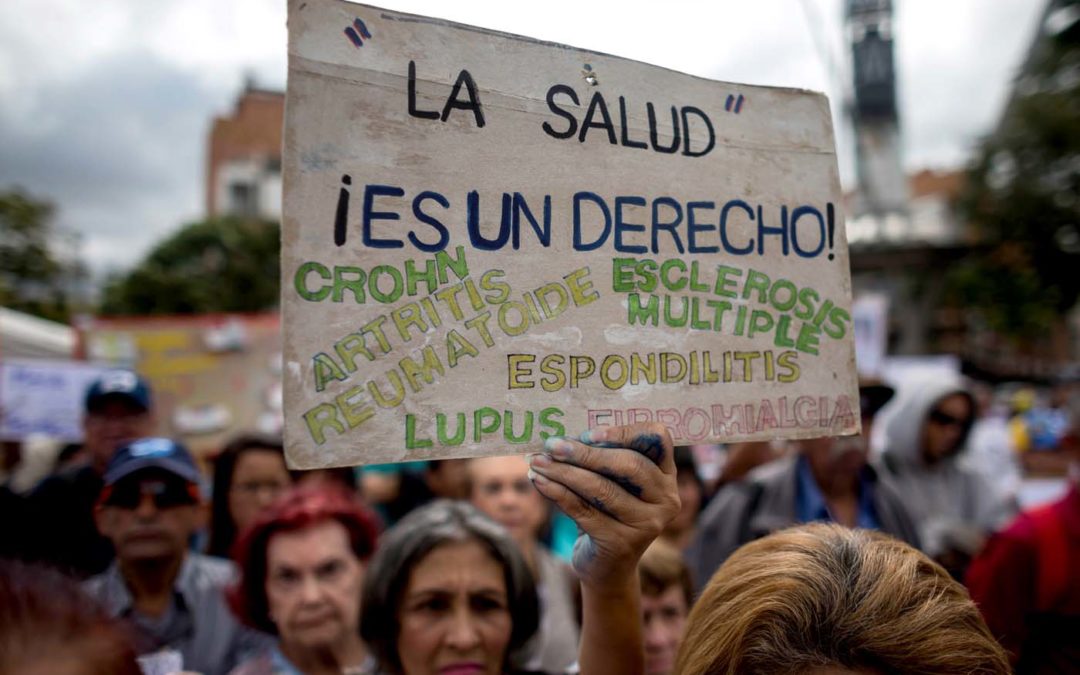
(44, 397)
(490, 239)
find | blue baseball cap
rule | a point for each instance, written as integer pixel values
(123, 384)
(152, 453)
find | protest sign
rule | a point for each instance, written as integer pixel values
(489, 240)
(42, 396)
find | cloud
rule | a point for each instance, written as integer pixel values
(119, 149)
(104, 109)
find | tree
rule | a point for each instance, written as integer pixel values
(1023, 193)
(220, 265)
(35, 275)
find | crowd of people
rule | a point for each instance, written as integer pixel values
(610, 552)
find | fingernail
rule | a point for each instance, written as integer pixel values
(539, 459)
(592, 436)
(558, 447)
(536, 478)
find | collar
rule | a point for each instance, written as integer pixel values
(118, 598)
(810, 504)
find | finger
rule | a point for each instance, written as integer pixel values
(596, 490)
(587, 516)
(651, 440)
(627, 469)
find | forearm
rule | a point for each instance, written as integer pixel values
(611, 639)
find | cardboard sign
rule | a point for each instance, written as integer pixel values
(489, 239)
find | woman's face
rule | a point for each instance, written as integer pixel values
(455, 614)
(258, 478)
(313, 585)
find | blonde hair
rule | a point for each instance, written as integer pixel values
(822, 595)
(661, 567)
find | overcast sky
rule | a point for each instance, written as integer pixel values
(105, 106)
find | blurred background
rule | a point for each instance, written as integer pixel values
(140, 184)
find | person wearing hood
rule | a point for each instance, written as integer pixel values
(953, 505)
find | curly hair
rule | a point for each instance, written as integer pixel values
(822, 595)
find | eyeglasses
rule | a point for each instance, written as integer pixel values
(166, 494)
(252, 488)
(945, 419)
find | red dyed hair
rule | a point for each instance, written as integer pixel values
(298, 509)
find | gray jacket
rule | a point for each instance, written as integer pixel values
(764, 502)
(951, 503)
(198, 625)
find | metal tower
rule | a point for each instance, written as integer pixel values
(882, 188)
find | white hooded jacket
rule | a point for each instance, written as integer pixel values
(953, 506)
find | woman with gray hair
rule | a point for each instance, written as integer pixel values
(449, 592)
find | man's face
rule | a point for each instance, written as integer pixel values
(839, 456)
(113, 422)
(149, 515)
(663, 620)
(500, 487)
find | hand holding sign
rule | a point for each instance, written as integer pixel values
(618, 484)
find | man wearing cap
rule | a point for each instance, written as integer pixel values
(149, 507)
(828, 479)
(118, 409)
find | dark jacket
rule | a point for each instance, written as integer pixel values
(60, 529)
(764, 502)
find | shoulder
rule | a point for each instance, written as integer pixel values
(62, 482)
(260, 664)
(95, 585)
(550, 566)
(767, 483)
(775, 472)
(205, 571)
(108, 589)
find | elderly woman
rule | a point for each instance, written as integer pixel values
(302, 564)
(827, 600)
(501, 489)
(450, 593)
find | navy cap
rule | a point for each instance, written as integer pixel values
(124, 384)
(152, 453)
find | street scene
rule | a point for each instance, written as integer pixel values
(313, 360)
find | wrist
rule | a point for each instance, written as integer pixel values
(612, 581)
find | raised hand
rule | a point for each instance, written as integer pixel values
(618, 484)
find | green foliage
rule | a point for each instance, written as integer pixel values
(222, 265)
(33, 278)
(1023, 196)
